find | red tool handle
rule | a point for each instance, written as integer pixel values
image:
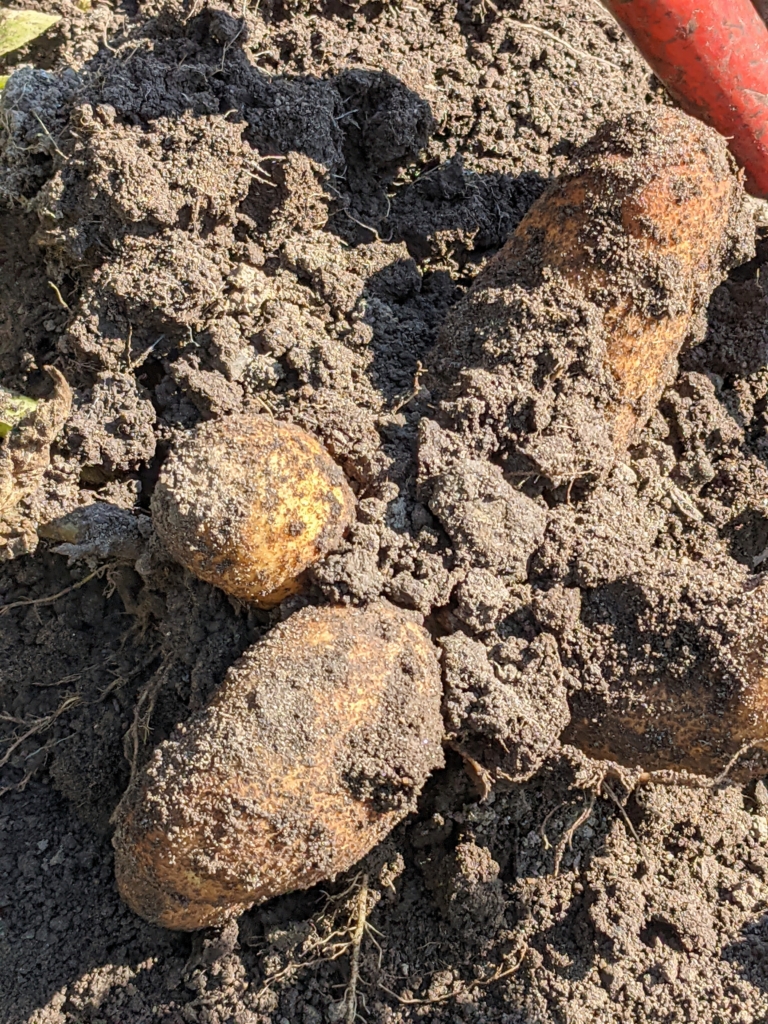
(712, 55)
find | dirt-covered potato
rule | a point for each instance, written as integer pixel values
(674, 669)
(314, 747)
(562, 347)
(674, 201)
(247, 503)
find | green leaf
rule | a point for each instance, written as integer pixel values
(3, 80)
(13, 409)
(20, 27)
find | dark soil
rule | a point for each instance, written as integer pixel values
(208, 209)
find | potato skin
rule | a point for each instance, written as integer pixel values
(247, 503)
(314, 747)
(558, 353)
(672, 200)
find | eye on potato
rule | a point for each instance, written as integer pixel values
(248, 503)
(316, 744)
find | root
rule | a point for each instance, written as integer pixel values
(566, 841)
(75, 677)
(593, 777)
(19, 787)
(332, 940)
(592, 774)
(737, 756)
(542, 829)
(36, 726)
(415, 389)
(623, 813)
(350, 996)
(29, 602)
(574, 51)
(122, 680)
(49, 136)
(59, 296)
(510, 964)
(233, 40)
(368, 227)
(138, 732)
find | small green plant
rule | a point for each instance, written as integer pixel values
(13, 409)
(17, 28)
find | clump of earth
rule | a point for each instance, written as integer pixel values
(208, 209)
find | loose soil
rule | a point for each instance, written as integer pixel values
(208, 208)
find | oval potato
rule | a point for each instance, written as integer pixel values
(248, 503)
(558, 354)
(672, 196)
(317, 743)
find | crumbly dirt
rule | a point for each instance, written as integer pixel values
(206, 209)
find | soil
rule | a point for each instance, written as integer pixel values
(205, 209)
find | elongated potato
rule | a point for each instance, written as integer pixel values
(247, 503)
(671, 195)
(314, 747)
(674, 665)
(562, 347)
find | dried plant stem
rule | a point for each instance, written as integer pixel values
(350, 996)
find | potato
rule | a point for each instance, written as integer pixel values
(675, 199)
(560, 351)
(674, 664)
(314, 747)
(247, 503)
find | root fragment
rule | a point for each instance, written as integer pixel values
(331, 941)
(510, 964)
(35, 726)
(350, 996)
(30, 602)
(566, 841)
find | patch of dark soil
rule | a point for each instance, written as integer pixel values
(31, 312)
(275, 208)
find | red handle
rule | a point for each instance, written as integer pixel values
(712, 55)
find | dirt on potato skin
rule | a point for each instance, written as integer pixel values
(289, 806)
(522, 373)
(280, 214)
